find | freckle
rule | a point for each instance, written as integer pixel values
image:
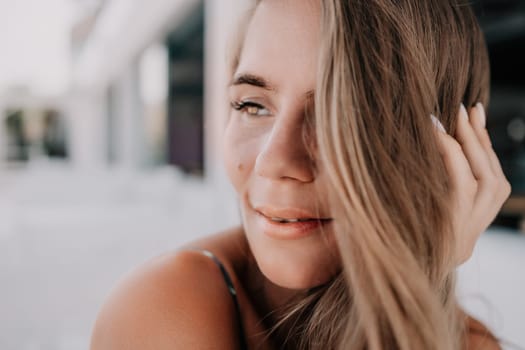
(240, 167)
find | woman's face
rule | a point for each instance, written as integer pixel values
(281, 186)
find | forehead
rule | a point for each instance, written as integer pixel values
(282, 42)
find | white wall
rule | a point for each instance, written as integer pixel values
(34, 38)
(86, 119)
(129, 119)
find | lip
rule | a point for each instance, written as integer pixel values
(287, 213)
(290, 230)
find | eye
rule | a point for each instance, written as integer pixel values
(250, 108)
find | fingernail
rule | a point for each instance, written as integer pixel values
(437, 123)
(463, 112)
(481, 114)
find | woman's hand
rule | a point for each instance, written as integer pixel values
(479, 187)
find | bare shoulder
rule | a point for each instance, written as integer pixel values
(176, 301)
(479, 337)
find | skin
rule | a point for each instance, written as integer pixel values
(479, 187)
(180, 301)
(266, 164)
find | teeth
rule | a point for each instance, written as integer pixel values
(289, 220)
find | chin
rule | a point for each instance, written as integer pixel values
(295, 264)
(295, 277)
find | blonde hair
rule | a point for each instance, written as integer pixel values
(385, 66)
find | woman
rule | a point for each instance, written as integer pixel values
(355, 208)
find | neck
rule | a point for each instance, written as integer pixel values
(267, 297)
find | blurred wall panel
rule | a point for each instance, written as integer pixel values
(186, 93)
(86, 112)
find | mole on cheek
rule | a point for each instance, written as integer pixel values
(240, 167)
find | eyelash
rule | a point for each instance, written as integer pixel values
(242, 105)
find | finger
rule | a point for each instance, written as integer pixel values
(456, 164)
(474, 151)
(478, 122)
(502, 188)
(488, 203)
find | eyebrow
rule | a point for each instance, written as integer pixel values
(258, 81)
(251, 79)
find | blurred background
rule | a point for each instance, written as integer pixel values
(111, 114)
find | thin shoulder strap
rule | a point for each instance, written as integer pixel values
(233, 293)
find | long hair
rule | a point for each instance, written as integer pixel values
(385, 66)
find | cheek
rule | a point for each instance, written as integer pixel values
(239, 154)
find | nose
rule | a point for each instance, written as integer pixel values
(287, 152)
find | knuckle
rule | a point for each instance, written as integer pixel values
(503, 190)
(506, 188)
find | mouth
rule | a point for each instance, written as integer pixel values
(286, 221)
(289, 223)
(289, 215)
